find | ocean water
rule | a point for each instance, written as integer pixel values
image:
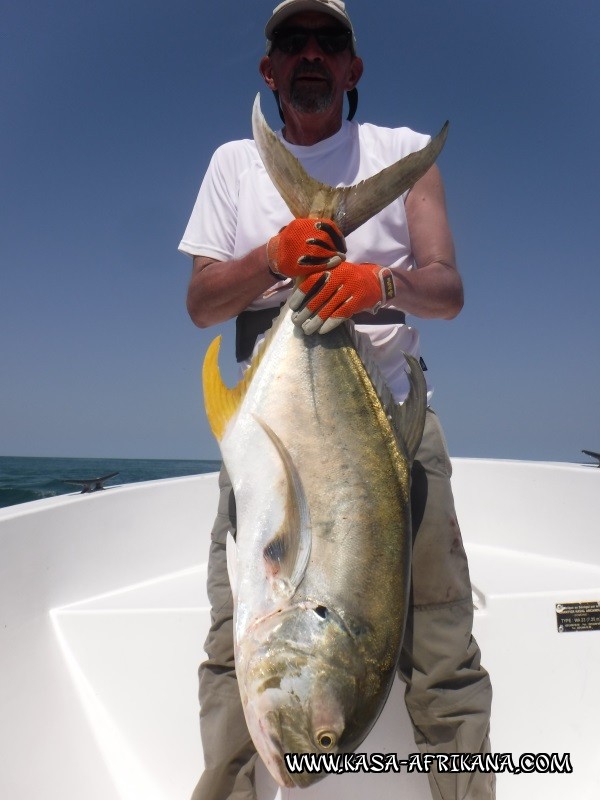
(24, 479)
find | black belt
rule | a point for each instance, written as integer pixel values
(250, 324)
(385, 316)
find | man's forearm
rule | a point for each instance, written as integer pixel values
(219, 290)
(434, 291)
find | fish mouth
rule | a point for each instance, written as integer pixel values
(270, 727)
(276, 763)
(274, 759)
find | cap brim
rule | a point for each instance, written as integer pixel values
(304, 5)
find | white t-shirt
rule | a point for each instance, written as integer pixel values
(238, 208)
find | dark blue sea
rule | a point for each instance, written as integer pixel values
(24, 479)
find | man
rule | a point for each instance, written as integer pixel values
(247, 250)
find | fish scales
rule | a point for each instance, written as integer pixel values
(356, 481)
(348, 449)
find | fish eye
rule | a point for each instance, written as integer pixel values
(326, 740)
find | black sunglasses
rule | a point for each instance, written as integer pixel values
(292, 41)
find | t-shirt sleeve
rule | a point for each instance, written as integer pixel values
(211, 229)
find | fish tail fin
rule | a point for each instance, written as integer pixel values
(348, 206)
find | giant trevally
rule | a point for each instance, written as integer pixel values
(319, 458)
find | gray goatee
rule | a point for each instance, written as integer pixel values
(308, 96)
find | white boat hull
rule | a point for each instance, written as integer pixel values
(104, 612)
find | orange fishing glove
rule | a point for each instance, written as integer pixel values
(328, 298)
(306, 246)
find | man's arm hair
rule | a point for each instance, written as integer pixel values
(220, 290)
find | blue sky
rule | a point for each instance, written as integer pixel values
(111, 111)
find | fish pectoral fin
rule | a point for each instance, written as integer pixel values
(287, 554)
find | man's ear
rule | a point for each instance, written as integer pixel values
(266, 70)
(356, 70)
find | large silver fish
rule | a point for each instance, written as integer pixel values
(319, 457)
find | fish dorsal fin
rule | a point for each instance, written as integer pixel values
(408, 418)
(348, 206)
(220, 401)
(287, 554)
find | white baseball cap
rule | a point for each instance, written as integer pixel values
(335, 9)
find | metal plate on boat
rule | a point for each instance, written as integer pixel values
(578, 617)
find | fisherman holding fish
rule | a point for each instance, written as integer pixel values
(249, 256)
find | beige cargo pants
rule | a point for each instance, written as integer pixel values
(448, 693)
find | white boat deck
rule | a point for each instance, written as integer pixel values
(103, 614)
